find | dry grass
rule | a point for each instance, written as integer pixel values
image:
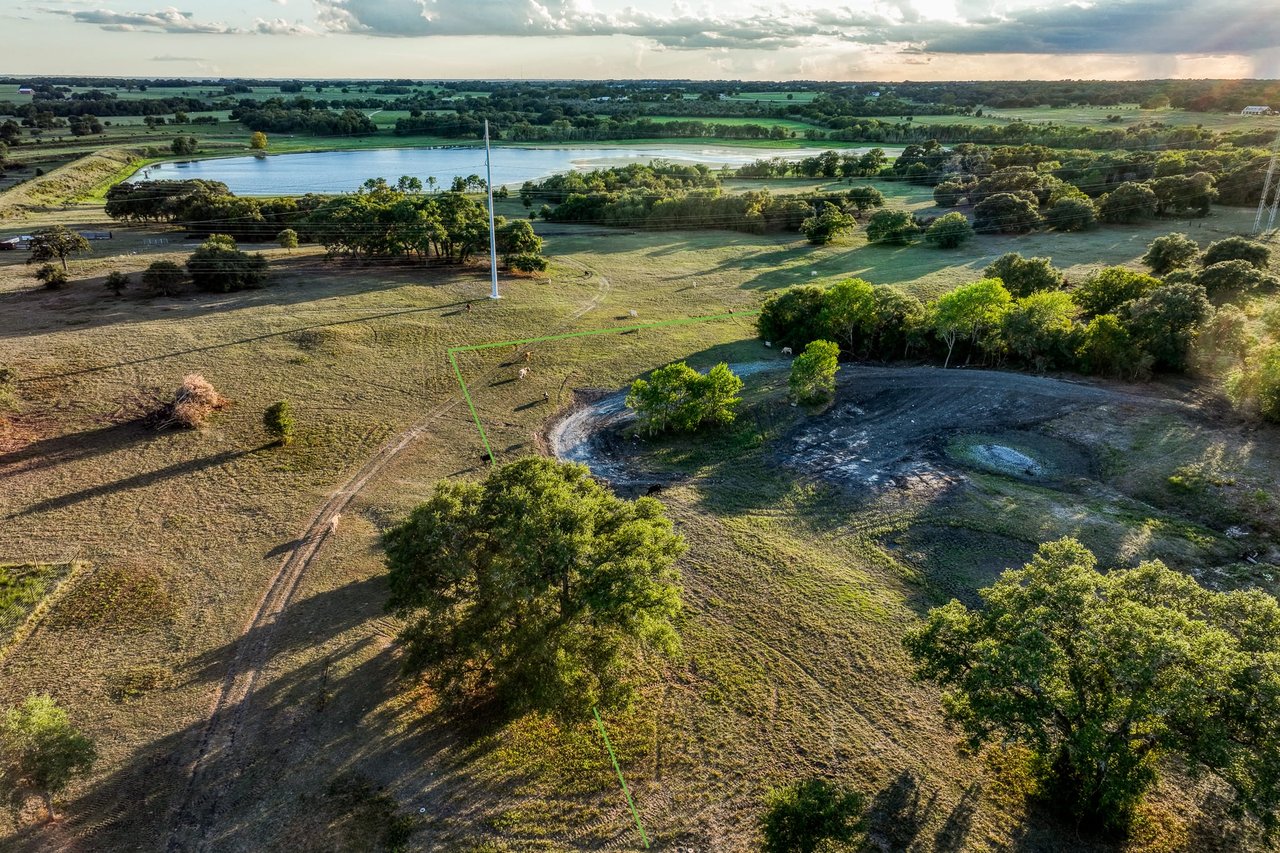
(796, 595)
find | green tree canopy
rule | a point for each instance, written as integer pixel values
(1071, 214)
(949, 231)
(218, 266)
(1170, 252)
(56, 243)
(969, 312)
(537, 586)
(1237, 249)
(848, 311)
(677, 398)
(827, 224)
(41, 751)
(1024, 276)
(791, 318)
(1103, 676)
(891, 226)
(163, 278)
(1107, 289)
(1128, 202)
(1040, 327)
(813, 372)
(1165, 322)
(288, 239)
(1012, 213)
(1107, 349)
(809, 816)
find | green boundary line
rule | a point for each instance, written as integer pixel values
(635, 814)
(466, 394)
(453, 351)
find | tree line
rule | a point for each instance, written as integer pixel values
(1117, 322)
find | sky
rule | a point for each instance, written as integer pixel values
(722, 39)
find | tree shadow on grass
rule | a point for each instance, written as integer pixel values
(137, 481)
(73, 447)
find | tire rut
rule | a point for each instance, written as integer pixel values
(230, 707)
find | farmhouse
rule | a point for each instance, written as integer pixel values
(1256, 111)
(26, 90)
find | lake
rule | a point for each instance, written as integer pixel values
(343, 171)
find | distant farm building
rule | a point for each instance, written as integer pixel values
(1257, 111)
(26, 90)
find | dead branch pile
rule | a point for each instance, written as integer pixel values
(193, 403)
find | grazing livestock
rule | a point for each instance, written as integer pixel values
(524, 371)
(768, 344)
(333, 524)
(528, 356)
(786, 350)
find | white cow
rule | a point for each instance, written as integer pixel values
(524, 371)
(768, 344)
(786, 350)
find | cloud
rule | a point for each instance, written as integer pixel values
(1137, 26)
(168, 20)
(171, 20)
(759, 29)
(169, 58)
(281, 27)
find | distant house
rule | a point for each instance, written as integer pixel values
(26, 90)
(1256, 111)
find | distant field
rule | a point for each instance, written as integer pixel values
(771, 97)
(735, 121)
(1096, 117)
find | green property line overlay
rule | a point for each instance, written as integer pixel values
(453, 351)
(466, 394)
(635, 814)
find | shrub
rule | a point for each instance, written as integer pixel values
(827, 224)
(1165, 322)
(193, 403)
(949, 231)
(813, 372)
(806, 816)
(1128, 202)
(1013, 213)
(1234, 276)
(1237, 249)
(792, 318)
(1040, 328)
(970, 312)
(1257, 384)
(278, 420)
(288, 239)
(950, 193)
(1107, 349)
(1107, 289)
(1024, 276)
(163, 278)
(116, 282)
(218, 266)
(1071, 214)
(52, 277)
(42, 752)
(677, 398)
(891, 226)
(527, 262)
(1170, 252)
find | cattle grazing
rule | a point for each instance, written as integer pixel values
(524, 371)
(786, 350)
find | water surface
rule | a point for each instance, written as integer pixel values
(343, 171)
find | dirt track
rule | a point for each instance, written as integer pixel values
(884, 425)
(231, 705)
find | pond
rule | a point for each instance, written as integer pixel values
(343, 171)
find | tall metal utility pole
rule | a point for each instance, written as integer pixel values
(1270, 201)
(493, 245)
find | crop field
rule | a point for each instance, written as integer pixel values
(797, 586)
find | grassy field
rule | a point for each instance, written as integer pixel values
(796, 591)
(1097, 117)
(789, 124)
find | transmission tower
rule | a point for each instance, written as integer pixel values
(1270, 201)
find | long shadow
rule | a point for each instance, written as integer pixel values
(270, 785)
(73, 447)
(236, 342)
(137, 481)
(898, 813)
